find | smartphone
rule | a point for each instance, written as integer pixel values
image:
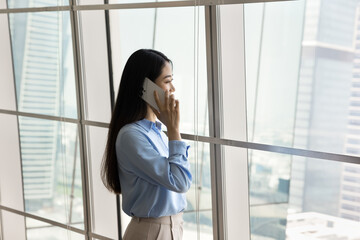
(148, 93)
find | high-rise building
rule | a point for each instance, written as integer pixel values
(37, 60)
(350, 180)
(322, 105)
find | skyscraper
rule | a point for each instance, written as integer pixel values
(37, 50)
(350, 179)
(322, 104)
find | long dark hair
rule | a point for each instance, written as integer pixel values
(129, 106)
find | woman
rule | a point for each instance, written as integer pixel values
(150, 169)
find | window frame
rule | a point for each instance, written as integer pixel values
(215, 139)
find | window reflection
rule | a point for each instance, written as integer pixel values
(51, 170)
(35, 3)
(306, 98)
(37, 230)
(45, 84)
(43, 63)
(198, 213)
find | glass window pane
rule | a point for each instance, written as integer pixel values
(43, 63)
(273, 47)
(36, 3)
(324, 197)
(140, 1)
(302, 75)
(269, 178)
(271, 217)
(295, 197)
(103, 212)
(190, 228)
(51, 170)
(37, 230)
(126, 36)
(206, 228)
(14, 227)
(176, 27)
(11, 189)
(319, 199)
(7, 90)
(198, 214)
(165, 29)
(130, 1)
(95, 66)
(89, 2)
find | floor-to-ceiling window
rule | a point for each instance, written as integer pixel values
(270, 104)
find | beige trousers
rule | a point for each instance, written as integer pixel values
(162, 228)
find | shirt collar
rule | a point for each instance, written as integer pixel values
(147, 124)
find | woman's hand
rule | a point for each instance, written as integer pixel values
(169, 114)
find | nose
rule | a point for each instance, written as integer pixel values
(172, 89)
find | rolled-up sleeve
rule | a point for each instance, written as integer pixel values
(170, 172)
(178, 147)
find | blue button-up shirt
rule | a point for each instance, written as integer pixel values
(154, 172)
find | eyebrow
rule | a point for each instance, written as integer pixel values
(168, 76)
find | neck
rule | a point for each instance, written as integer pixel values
(150, 115)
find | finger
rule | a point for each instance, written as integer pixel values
(167, 99)
(172, 102)
(156, 96)
(177, 105)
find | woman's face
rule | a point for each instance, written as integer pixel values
(165, 79)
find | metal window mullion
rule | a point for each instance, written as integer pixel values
(1, 226)
(17, 120)
(40, 116)
(45, 220)
(81, 127)
(1, 219)
(53, 223)
(112, 102)
(215, 140)
(216, 165)
(140, 5)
